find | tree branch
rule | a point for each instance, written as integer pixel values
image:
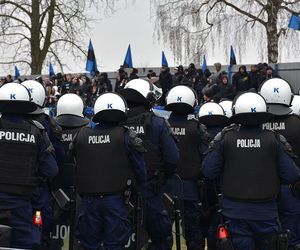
(17, 61)
(290, 3)
(243, 12)
(19, 6)
(289, 10)
(16, 19)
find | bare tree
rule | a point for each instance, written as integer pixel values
(31, 30)
(189, 25)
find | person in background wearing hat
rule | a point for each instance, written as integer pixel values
(256, 77)
(165, 82)
(102, 182)
(279, 96)
(270, 73)
(193, 142)
(240, 80)
(216, 76)
(133, 74)
(178, 75)
(251, 163)
(26, 156)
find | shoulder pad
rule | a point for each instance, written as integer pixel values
(231, 127)
(135, 141)
(286, 146)
(219, 137)
(55, 126)
(38, 124)
(204, 133)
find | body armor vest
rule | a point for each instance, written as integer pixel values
(289, 127)
(189, 139)
(250, 166)
(141, 124)
(66, 176)
(101, 159)
(18, 157)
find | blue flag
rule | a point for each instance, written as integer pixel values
(294, 22)
(232, 56)
(51, 71)
(232, 61)
(204, 64)
(164, 62)
(128, 59)
(17, 73)
(91, 64)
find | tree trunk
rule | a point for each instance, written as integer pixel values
(271, 29)
(36, 64)
(272, 40)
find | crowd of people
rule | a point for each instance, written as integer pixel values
(208, 85)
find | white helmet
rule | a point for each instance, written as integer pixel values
(110, 107)
(278, 95)
(38, 94)
(212, 114)
(15, 98)
(138, 91)
(70, 111)
(296, 105)
(181, 99)
(249, 108)
(227, 107)
(70, 104)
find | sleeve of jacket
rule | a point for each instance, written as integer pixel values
(47, 166)
(212, 164)
(133, 145)
(288, 170)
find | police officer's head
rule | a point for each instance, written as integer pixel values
(212, 114)
(139, 92)
(15, 98)
(227, 107)
(278, 95)
(70, 111)
(250, 109)
(296, 105)
(38, 94)
(110, 107)
(181, 100)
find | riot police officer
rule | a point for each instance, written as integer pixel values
(278, 95)
(41, 200)
(104, 155)
(212, 115)
(26, 156)
(70, 118)
(193, 142)
(252, 163)
(161, 158)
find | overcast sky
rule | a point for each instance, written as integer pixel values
(132, 24)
